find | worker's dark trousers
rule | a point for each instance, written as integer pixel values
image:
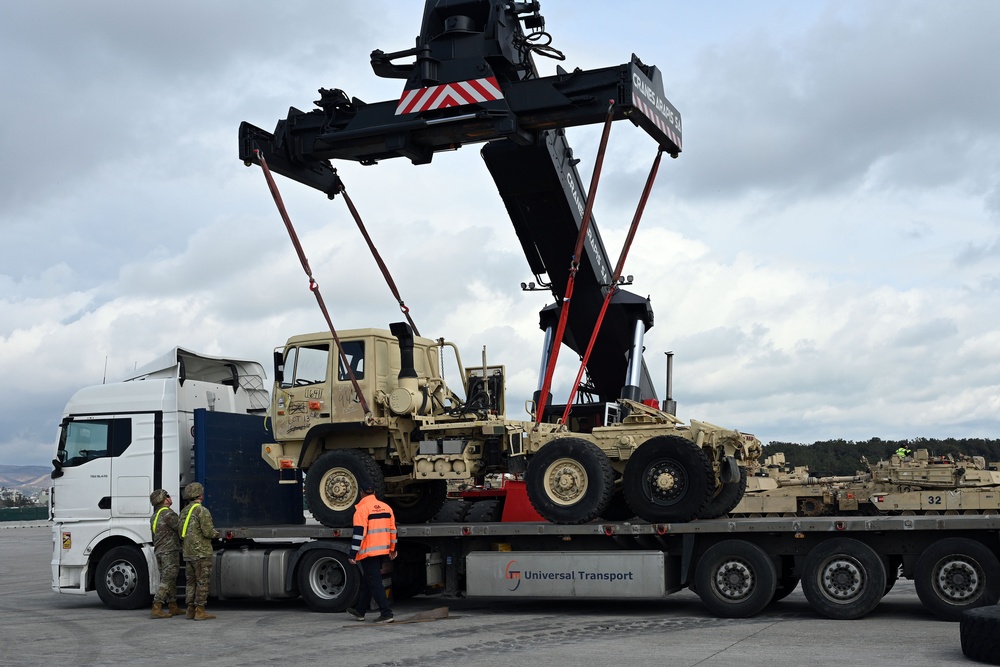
(371, 585)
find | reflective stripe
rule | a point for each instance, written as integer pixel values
(157, 518)
(188, 518)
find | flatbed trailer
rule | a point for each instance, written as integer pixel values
(736, 566)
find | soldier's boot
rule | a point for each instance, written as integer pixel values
(158, 612)
(201, 615)
(191, 611)
(174, 609)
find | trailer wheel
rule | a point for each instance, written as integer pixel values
(417, 502)
(980, 633)
(569, 480)
(333, 485)
(668, 478)
(735, 579)
(729, 496)
(956, 574)
(843, 578)
(327, 580)
(122, 579)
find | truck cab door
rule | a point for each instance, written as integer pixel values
(86, 448)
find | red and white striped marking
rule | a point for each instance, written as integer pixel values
(649, 112)
(447, 95)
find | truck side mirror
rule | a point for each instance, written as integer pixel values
(279, 367)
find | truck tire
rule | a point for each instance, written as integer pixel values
(122, 579)
(980, 633)
(569, 480)
(668, 478)
(956, 574)
(419, 501)
(735, 579)
(843, 578)
(485, 511)
(453, 511)
(333, 485)
(729, 496)
(327, 581)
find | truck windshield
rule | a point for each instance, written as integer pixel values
(82, 441)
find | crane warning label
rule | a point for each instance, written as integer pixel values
(567, 574)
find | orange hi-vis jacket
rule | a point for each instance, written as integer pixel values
(374, 529)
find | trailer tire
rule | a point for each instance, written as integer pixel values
(569, 481)
(729, 496)
(735, 579)
(327, 581)
(980, 633)
(668, 478)
(423, 501)
(485, 511)
(334, 482)
(843, 578)
(956, 574)
(122, 579)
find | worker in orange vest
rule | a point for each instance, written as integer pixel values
(374, 541)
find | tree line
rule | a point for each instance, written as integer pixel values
(843, 457)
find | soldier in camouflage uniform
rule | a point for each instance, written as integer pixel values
(164, 526)
(197, 532)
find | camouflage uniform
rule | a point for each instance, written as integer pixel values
(197, 532)
(165, 528)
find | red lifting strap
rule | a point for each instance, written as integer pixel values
(614, 282)
(313, 285)
(574, 266)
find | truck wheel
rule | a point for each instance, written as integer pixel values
(327, 580)
(843, 578)
(485, 511)
(334, 481)
(955, 574)
(980, 632)
(668, 478)
(122, 579)
(729, 496)
(417, 502)
(569, 480)
(735, 579)
(453, 511)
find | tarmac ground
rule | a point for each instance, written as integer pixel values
(40, 627)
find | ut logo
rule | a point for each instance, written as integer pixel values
(512, 573)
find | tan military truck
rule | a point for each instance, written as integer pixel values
(420, 434)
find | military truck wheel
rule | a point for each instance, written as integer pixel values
(569, 480)
(122, 579)
(417, 502)
(956, 574)
(453, 511)
(843, 578)
(980, 633)
(668, 478)
(485, 511)
(333, 485)
(729, 496)
(327, 580)
(735, 579)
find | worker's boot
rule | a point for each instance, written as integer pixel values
(201, 615)
(158, 611)
(174, 609)
(191, 612)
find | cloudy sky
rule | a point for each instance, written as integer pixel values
(821, 258)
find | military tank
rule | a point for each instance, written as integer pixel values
(914, 484)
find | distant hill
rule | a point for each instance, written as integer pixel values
(25, 479)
